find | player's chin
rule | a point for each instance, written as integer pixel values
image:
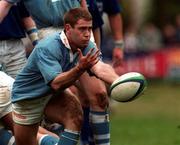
(83, 45)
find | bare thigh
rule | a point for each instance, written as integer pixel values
(93, 90)
(65, 108)
(26, 134)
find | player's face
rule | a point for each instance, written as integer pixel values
(80, 34)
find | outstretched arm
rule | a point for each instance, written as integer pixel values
(116, 27)
(4, 9)
(104, 72)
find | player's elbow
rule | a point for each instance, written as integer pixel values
(57, 86)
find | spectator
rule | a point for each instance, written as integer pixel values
(131, 39)
(6, 122)
(177, 21)
(150, 38)
(169, 35)
(113, 9)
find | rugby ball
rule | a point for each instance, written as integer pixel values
(128, 87)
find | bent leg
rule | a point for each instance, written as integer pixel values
(95, 91)
(26, 134)
(26, 116)
(7, 121)
(64, 108)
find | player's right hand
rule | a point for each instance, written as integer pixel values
(89, 60)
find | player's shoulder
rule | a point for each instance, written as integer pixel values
(47, 46)
(49, 40)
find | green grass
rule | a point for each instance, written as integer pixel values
(152, 119)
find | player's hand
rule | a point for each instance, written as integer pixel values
(89, 60)
(83, 4)
(117, 57)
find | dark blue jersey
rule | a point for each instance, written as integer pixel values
(93, 9)
(108, 6)
(48, 13)
(11, 27)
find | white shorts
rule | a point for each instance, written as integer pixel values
(6, 83)
(28, 112)
(12, 56)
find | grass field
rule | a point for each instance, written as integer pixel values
(152, 119)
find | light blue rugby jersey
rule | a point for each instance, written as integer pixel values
(48, 12)
(49, 58)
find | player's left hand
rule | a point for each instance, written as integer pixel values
(117, 56)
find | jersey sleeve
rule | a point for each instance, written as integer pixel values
(48, 65)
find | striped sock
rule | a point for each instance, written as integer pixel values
(48, 140)
(99, 122)
(68, 137)
(85, 131)
(91, 139)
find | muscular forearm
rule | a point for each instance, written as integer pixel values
(117, 31)
(4, 9)
(66, 79)
(31, 29)
(104, 72)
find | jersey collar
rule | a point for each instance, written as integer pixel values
(66, 43)
(65, 40)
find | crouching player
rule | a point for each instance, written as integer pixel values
(6, 122)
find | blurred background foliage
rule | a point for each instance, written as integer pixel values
(159, 12)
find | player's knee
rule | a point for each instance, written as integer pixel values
(101, 99)
(75, 116)
(78, 119)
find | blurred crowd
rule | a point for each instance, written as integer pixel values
(148, 38)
